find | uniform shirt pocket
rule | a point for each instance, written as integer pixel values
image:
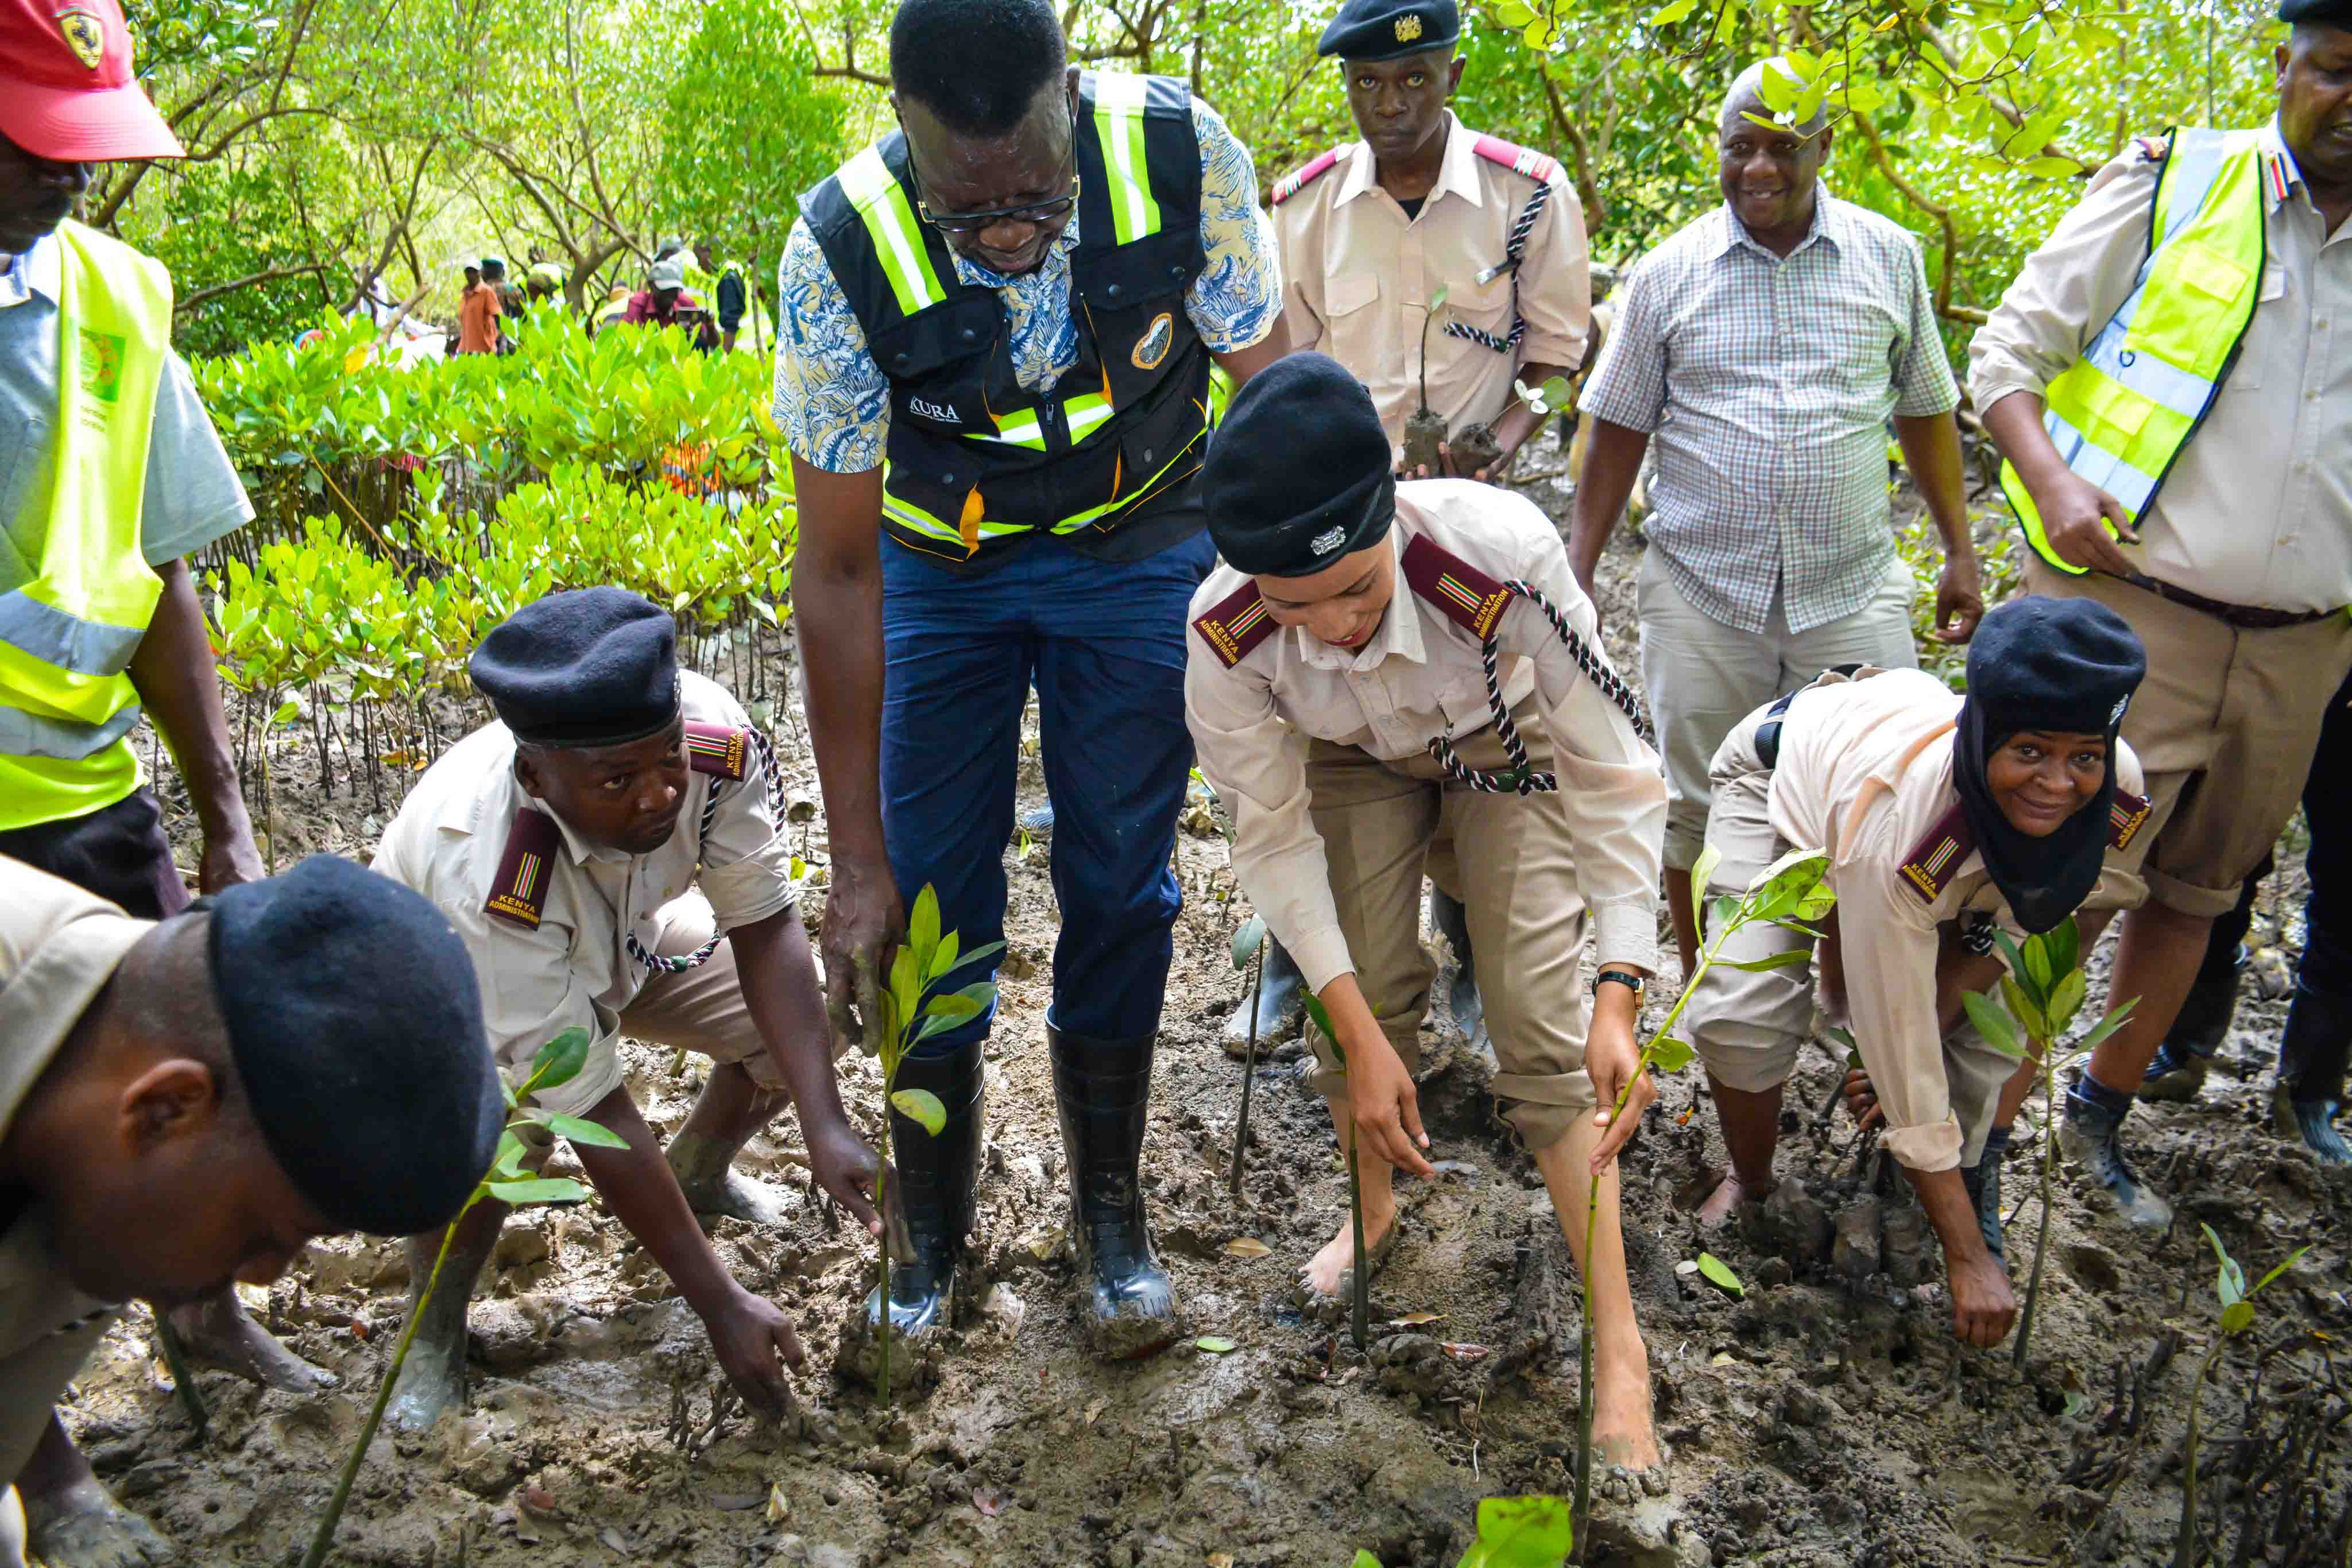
(2247, 375)
(1348, 292)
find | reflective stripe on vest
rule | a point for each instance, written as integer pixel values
(2120, 414)
(1083, 414)
(1118, 122)
(881, 202)
(68, 632)
(922, 522)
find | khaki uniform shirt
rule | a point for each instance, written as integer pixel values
(1420, 675)
(1864, 771)
(1360, 275)
(58, 946)
(575, 967)
(2257, 509)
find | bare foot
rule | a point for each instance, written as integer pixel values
(1326, 1272)
(1725, 1201)
(733, 1195)
(82, 1527)
(218, 1332)
(1622, 1433)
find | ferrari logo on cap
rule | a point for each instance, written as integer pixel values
(84, 35)
(1408, 28)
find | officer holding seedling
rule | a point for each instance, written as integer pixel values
(1941, 817)
(188, 1102)
(110, 477)
(1392, 678)
(1016, 298)
(612, 852)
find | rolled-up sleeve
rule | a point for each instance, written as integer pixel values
(2068, 288)
(1889, 945)
(831, 401)
(1628, 385)
(1611, 786)
(1257, 765)
(1555, 292)
(1237, 298)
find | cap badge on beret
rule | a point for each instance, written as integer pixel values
(1329, 539)
(1408, 28)
(84, 35)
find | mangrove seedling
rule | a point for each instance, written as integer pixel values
(1790, 892)
(1248, 942)
(1359, 1275)
(507, 1180)
(1512, 1532)
(1424, 432)
(2237, 1316)
(911, 1012)
(1478, 450)
(2044, 989)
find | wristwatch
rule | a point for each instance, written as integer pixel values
(1625, 978)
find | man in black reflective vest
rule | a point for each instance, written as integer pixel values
(1015, 299)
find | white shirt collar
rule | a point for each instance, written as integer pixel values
(1457, 171)
(39, 270)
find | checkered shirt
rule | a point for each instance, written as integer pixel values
(1766, 383)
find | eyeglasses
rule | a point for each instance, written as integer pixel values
(1035, 214)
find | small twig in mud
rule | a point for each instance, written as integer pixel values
(175, 1357)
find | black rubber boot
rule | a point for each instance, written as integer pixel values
(2177, 1071)
(934, 1189)
(2088, 1134)
(2310, 1089)
(1126, 1306)
(1453, 923)
(1280, 1004)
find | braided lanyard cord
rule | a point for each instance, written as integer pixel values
(1522, 778)
(654, 964)
(1512, 248)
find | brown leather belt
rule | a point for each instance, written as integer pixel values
(2245, 617)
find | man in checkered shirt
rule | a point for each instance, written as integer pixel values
(1765, 346)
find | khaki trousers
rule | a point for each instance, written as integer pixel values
(702, 1010)
(1509, 859)
(2225, 724)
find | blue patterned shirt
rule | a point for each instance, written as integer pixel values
(834, 401)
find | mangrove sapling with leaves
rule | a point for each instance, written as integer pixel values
(1424, 432)
(2044, 989)
(506, 1181)
(911, 1012)
(2237, 1316)
(1248, 942)
(1789, 892)
(1512, 1532)
(1479, 449)
(1359, 1274)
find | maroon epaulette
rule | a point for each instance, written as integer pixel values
(1236, 624)
(1511, 155)
(2124, 818)
(1466, 596)
(1929, 866)
(520, 892)
(1297, 180)
(717, 749)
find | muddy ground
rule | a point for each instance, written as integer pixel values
(1826, 1419)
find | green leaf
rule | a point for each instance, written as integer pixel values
(579, 1130)
(507, 1163)
(1719, 915)
(2020, 1004)
(921, 1106)
(544, 1189)
(2066, 1000)
(1672, 12)
(559, 1061)
(1317, 1015)
(1216, 1345)
(2036, 954)
(1783, 886)
(1521, 1532)
(1999, 1030)
(1363, 1558)
(2115, 1019)
(2049, 167)
(286, 712)
(1246, 940)
(1437, 302)
(1788, 959)
(2237, 1317)
(2296, 1257)
(1517, 14)
(2228, 1279)
(944, 961)
(2012, 956)
(1709, 857)
(923, 929)
(2065, 942)
(1719, 1274)
(1668, 1055)
(907, 986)
(1778, 88)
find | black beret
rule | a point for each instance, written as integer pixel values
(596, 666)
(2326, 13)
(355, 1024)
(1384, 30)
(2065, 666)
(1297, 474)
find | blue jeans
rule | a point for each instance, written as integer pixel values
(1105, 646)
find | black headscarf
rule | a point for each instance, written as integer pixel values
(2062, 665)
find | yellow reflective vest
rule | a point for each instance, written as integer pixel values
(2120, 414)
(68, 630)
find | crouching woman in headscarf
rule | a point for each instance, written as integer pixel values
(1941, 817)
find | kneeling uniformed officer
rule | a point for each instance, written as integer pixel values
(185, 1104)
(1941, 817)
(1339, 692)
(562, 843)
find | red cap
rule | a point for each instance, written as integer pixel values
(66, 88)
